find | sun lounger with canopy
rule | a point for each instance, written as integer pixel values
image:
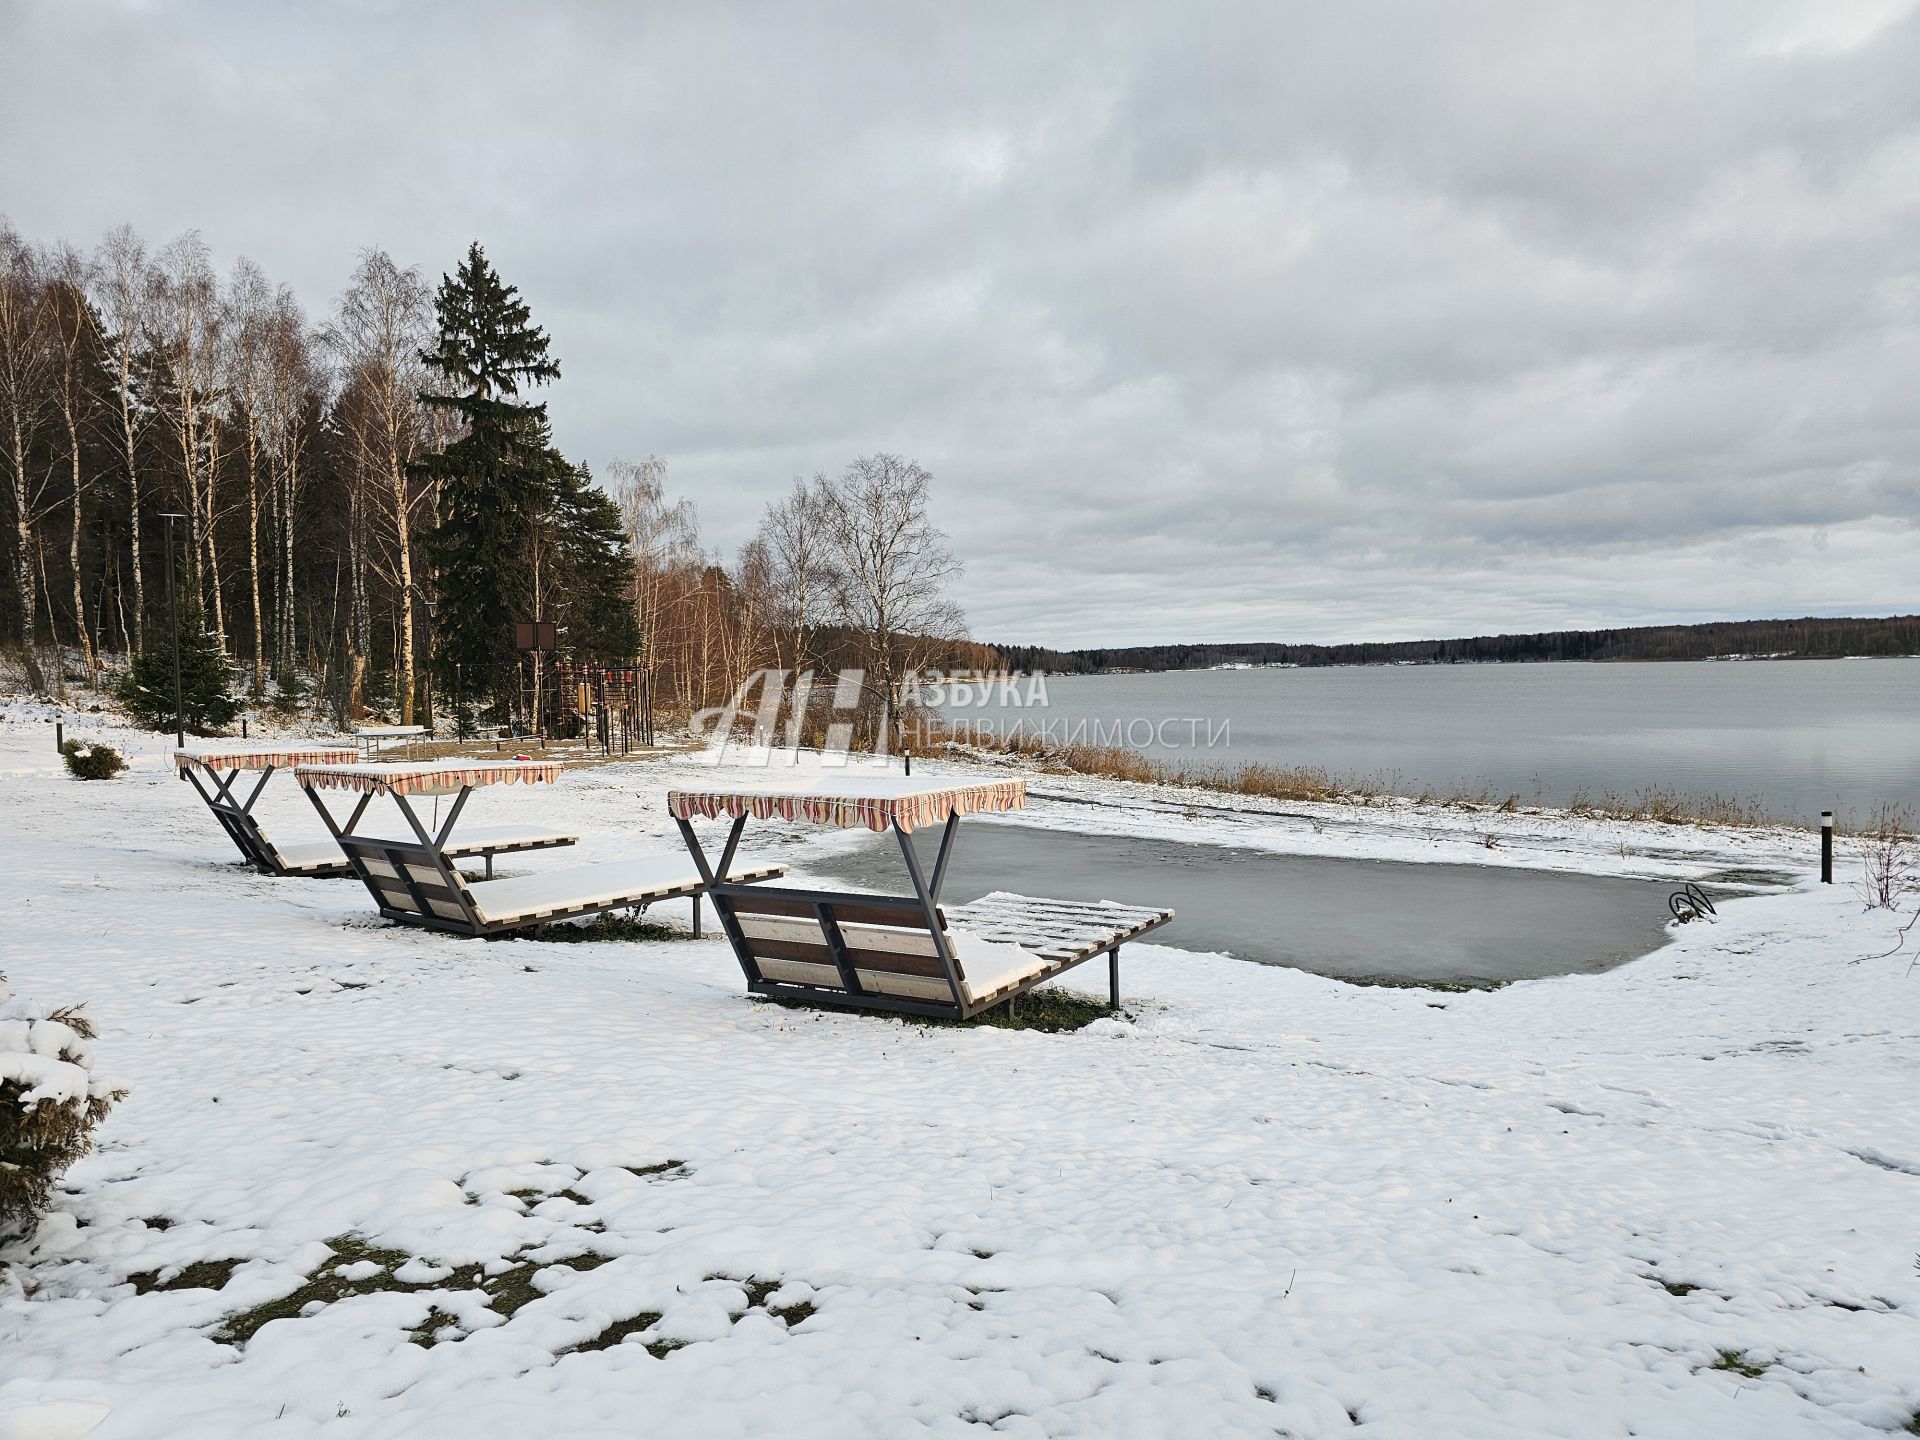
(416, 882)
(215, 771)
(902, 953)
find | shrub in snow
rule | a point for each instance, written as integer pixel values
(50, 1103)
(92, 762)
(1890, 865)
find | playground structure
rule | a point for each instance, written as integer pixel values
(612, 703)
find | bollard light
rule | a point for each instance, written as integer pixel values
(1826, 847)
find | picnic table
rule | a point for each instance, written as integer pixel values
(416, 882)
(215, 770)
(372, 740)
(901, 953)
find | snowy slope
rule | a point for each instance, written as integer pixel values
(1268, 1204)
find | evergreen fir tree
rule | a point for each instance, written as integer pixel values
(495, 481)
(207, 701)
(597, 570)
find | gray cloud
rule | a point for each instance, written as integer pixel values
(1291, 321)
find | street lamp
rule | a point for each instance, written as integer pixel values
(173, 624)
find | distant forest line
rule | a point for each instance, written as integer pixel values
(1808, 638)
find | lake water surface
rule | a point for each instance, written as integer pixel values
(1351, 919)
(1796, 736)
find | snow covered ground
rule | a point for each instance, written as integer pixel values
(1681, 1198)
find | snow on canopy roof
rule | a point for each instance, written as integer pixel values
(428, 776)
(259, 757)
(875, 801)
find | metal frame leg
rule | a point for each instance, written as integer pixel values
(931, 907)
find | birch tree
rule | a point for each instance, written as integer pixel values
(291, 396)
(665, 539)
(74, 340)
(188, 333)
(792, 536)
(124, 291)
(26, 365)
(380, 326)
(246, 311)
(890, 569)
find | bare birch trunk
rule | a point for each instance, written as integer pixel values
(208, 531)
(404, 664)
(73, 554)
(23, 556)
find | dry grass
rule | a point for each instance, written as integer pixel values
(1313, 783)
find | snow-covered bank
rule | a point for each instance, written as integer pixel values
(1269, 1203)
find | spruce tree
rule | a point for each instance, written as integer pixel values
(206, 696)
(597, 571)
(496, 481)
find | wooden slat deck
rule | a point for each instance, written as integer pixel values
(1060, 930)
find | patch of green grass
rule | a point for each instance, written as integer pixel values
(608, 926)
(758, 1291)
(200, 1275)
(1675, 1287)
(1736, 1362)
(507, 1291)
(792, 1315)
(665, 1167)
(427, 1333)
(324, 1286)
(620, 1330)
(1048, 1010)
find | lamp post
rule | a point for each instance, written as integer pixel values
(173, 624)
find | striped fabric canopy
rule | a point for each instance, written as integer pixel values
(850, 801)
(259, 757)
(434, 777)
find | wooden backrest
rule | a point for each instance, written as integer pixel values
(246, 833)
(411, 879)
(241, 827)
(835, 941)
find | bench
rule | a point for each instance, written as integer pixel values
(418, 884)
(324, 858)
(215, 773)
(882, 952)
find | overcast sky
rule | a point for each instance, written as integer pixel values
(1240, 321)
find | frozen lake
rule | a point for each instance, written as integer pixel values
(1796, 736)
(1353, 919)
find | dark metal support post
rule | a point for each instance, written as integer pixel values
(733, 844)
(1826, 847)
(934, 928)
(728, 924)
(946, 853)
(453, 814)
(1113, 977)
(173, 625)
